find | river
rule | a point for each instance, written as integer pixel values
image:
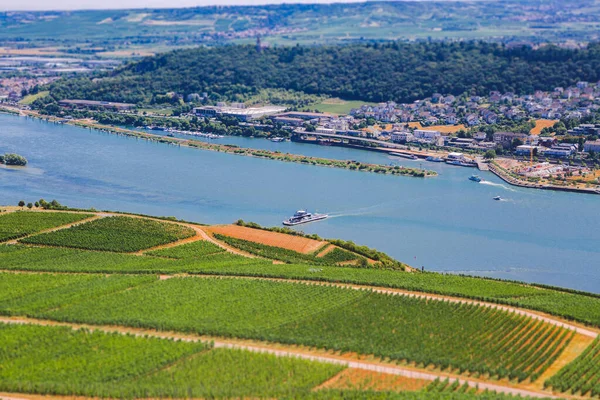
(446, 223)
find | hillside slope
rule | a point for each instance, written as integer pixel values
(397, 71)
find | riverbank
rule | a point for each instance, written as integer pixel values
(509, 178)
(236, 150)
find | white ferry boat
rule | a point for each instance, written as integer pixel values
(303, 217)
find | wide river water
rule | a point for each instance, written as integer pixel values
(446, 223)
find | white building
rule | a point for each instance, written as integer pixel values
(425, 134)
(243, 114)
(402, 137)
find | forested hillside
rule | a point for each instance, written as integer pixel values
(379, 72)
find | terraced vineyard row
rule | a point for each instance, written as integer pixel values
(21, 223)
(572, 306)
(61, 361)
(24, 258)
(582, 376)
(120, 234)
(192, 250)
(456, 337)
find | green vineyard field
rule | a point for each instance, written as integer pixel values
(120, 234)
(198, 249)
(22, 223)
(59, 360)
(452, 336)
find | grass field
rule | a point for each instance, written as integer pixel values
(451, 336)
(58, 360)
(30, 98)
(338, 106)
(22, 223)
(122, 234)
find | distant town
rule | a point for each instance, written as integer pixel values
(539, 151)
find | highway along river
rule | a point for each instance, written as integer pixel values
(446, 223)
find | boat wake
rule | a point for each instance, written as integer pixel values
(498, 185)
(360, 211)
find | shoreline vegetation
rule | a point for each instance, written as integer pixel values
(258, 153)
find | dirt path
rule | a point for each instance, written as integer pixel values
(302, 353)
(56, 228)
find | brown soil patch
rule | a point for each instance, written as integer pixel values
(358, 379)
(541, 124)
(276, 239)
(439, 128)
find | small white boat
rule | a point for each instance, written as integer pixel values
(277, 139)
(498, 198)
(302, 217)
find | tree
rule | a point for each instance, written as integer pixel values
(516, 143)
(37, 204)
(21, 203)
(29, 205)
(14, 159)
(490, 155)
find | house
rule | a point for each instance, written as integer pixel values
(592, 145)
(559, 152)
(425, 134)
(472, 119)
(525, 150)
(288, 121)
(506, 138)
(402, 137)
(479, 136)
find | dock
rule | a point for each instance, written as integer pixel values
(482, 165)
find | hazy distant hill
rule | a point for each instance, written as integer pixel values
(534, 20)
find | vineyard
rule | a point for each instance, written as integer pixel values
(572, 306)
(452, 336)
(61, 361)
(198, 249)
(582, 376)
(22, 223)
(84, 274)
(120, 234)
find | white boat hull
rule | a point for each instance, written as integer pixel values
(305, 221)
